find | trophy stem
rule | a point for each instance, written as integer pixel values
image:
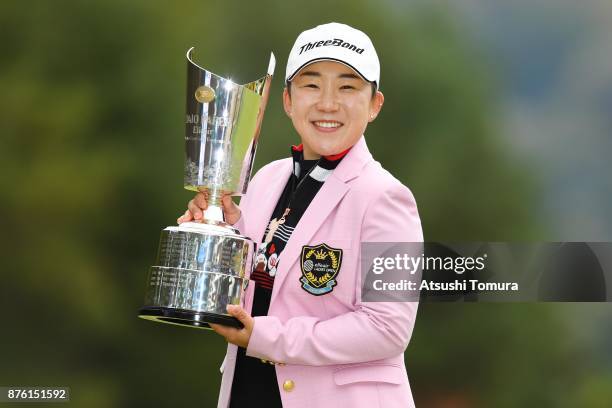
(214, 212)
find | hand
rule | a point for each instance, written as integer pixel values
(239, 337)
(199, 203)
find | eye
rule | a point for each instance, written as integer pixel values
(347, 87)
(310, 86)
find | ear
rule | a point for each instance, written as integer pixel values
(376, 105)
(287, 105)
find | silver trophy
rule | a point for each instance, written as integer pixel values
(203, 267)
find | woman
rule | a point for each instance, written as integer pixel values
(308, 338)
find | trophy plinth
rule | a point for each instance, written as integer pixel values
(203, 267)
(200, 269)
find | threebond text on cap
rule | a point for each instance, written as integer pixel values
(335, 42)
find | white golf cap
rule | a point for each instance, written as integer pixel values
(335, 42)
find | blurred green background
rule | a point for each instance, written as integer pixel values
(497, 116)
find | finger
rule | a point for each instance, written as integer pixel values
(196, 212)
(217, 328)
(240, 314)
(228, 332)
(184, 218)
(227, 202)
(229, 207)
(201, 200)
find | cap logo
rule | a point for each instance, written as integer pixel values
(336, 42)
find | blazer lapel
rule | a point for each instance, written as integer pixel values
(321, 206)
(328, 197)
(262, 210)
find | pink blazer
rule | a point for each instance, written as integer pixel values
(335, 350)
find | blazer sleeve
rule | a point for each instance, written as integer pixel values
(373, 330)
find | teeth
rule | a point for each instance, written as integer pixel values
(328, 124)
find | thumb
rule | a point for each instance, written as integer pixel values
(230, 209)
(228, 203)
(239, 313)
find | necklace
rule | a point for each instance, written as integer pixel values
(275, 223)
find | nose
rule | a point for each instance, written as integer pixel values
(328, 102)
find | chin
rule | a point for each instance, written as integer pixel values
(328, 152)
(323, 147)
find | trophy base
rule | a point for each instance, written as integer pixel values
(187, 318)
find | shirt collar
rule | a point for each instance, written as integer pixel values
(297, 152)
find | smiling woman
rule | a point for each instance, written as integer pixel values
(308, 338)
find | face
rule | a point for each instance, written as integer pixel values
(330, 107)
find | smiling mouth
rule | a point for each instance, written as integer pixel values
(327, 124)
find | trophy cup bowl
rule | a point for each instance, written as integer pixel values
(203, 267)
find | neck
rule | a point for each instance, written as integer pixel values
(310, 155)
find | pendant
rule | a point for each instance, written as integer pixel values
(274, 224)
